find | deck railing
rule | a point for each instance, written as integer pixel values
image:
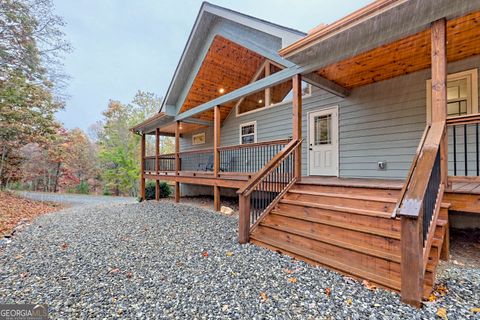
(258, 197)
(166, 163)
(249, 157)
(463, 134)
(246, 158)
(196, 160)
(419, 207)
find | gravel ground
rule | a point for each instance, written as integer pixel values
(75, 199)
(160, 260)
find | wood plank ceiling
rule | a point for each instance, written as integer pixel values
(227, 66)
(406, 55)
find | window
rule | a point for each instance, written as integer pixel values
(248, 132)
(323, 125)
(462, 94)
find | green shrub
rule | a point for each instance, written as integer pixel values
(83, 188)
(106, 191)
(165, 190)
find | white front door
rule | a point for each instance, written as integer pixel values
(323, 142)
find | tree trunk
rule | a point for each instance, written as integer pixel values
(57, 175)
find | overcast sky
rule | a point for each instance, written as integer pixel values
(121, 46)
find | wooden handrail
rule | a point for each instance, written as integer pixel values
(411, 204)
(206, 150)
(410, 172)
(468, 119)
(162, 156)
(255, 180)
(257, 144)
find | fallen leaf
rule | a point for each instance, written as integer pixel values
(64, 246)
(292, 280)
(349, 301)
(328, 292)
(263, 296)
(225, 307)
(475, 310)
(23, 275)
(205, 254)
(115, 270)
(229, 253)
(368, 285)
(432, 297)
(19, 257)
(442, 313)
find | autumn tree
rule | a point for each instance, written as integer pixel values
(31, 50)
(119, 147)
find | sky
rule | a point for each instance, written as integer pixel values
(122, 46)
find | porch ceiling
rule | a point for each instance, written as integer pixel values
(406, 55)
(227, 66)
(166, 124)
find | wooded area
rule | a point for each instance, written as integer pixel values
(37, 152)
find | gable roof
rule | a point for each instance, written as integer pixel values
(208, 15)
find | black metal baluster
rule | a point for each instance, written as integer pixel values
(476, 149)
(465, 148)
(454, 150)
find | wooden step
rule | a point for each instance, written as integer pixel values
(348, 190)
(345, 217)
(348, 226)
(366, 212)
(297, 251)
(344, 200)
(369, 250)
(373, 198)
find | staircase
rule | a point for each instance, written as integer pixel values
(346, 228)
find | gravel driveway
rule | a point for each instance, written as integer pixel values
(160, 260)
(75, 199)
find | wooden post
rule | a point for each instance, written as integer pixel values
(216, 157)
(439, 85)
(297, 122)
(268, 96)
(244, 219)
(157, 163)
(412, 276)
(177, 160)
(142, 167)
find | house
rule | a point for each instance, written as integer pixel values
(348, 147)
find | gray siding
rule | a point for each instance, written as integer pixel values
(379, 122)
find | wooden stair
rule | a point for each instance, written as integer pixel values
(347, 229)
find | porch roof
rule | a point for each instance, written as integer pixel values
(385, 39)
(165, 124)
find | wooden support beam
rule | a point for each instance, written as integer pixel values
(199, 121)
(254, 87)
(268, 97)
(244, 219)
(439, 85)
(177, 160)
(142, 167)
(412, 275)
(297, 123)
(216, 156)
(320, 82)
(157, 163)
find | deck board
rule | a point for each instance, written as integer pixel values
(354, 182)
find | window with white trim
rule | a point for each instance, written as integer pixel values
(462, 94)
(248, 132)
